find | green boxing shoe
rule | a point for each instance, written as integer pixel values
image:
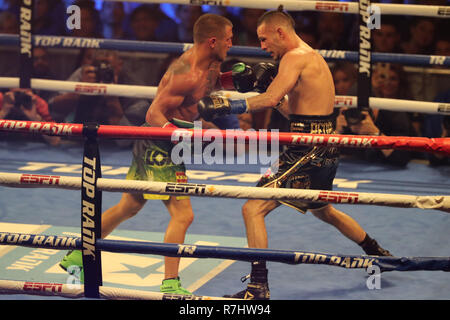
(73, 264)
(173, 286)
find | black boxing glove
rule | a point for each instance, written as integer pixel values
(264, 73)
(240, 78)
(214, 107)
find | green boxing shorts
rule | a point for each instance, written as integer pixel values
(152, 162)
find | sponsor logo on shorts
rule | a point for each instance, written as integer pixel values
(298, 182)
(157, 158)
(181, 177)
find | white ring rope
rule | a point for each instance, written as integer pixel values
(147, 92)
(436, 202)
(77, 291)
(326, 6)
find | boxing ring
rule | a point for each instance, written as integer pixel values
(92, 184)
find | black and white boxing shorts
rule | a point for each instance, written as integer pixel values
(305, 167)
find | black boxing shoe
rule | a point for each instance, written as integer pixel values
(254, 291)
(372, 248)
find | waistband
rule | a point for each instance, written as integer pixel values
(312, 123)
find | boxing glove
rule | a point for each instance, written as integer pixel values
(240, 78)
(213, 107)
(264, 74)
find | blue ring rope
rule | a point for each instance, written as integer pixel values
(233, 253)
(178, 48)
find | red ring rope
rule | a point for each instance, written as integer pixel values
(433, 145)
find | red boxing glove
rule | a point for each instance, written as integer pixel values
(240, 78)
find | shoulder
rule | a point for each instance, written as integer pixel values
(179, 67)
(299, 54)
(299, 58)
(294, 59)
(180, 76)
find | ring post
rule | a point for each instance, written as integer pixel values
(91, 210)
(364, 57)
(26, 44)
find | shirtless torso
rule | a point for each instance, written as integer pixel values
(313, 92)
(303, 75)
(188, 79)
(182, 86)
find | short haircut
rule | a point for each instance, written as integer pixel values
(278, 16)
(210, 25)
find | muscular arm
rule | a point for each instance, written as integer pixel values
(174, 87)
(289, 71)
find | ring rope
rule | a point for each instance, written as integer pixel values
(421, 144)
(243, 254)
(385, 263)
(178, 48)
(435, 202)
(285, 138)
(150, 92)
(326, 6)
(75, 291)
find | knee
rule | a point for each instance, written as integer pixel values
(184, 218)
(250, 211)
(324, 214)
(130, 208)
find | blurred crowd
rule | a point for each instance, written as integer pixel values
(154, 22)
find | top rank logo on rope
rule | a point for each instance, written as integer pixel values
(38, 127)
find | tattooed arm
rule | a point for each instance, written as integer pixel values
(176, 84)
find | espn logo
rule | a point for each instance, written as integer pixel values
(39, 179)
(189, 188)
(39, 286)
(343, 101)
(338, 197)
(326, 6)
(92, 89)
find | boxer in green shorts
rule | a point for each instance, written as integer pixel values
(195, 74)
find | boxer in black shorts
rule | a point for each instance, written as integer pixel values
(302, 89)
